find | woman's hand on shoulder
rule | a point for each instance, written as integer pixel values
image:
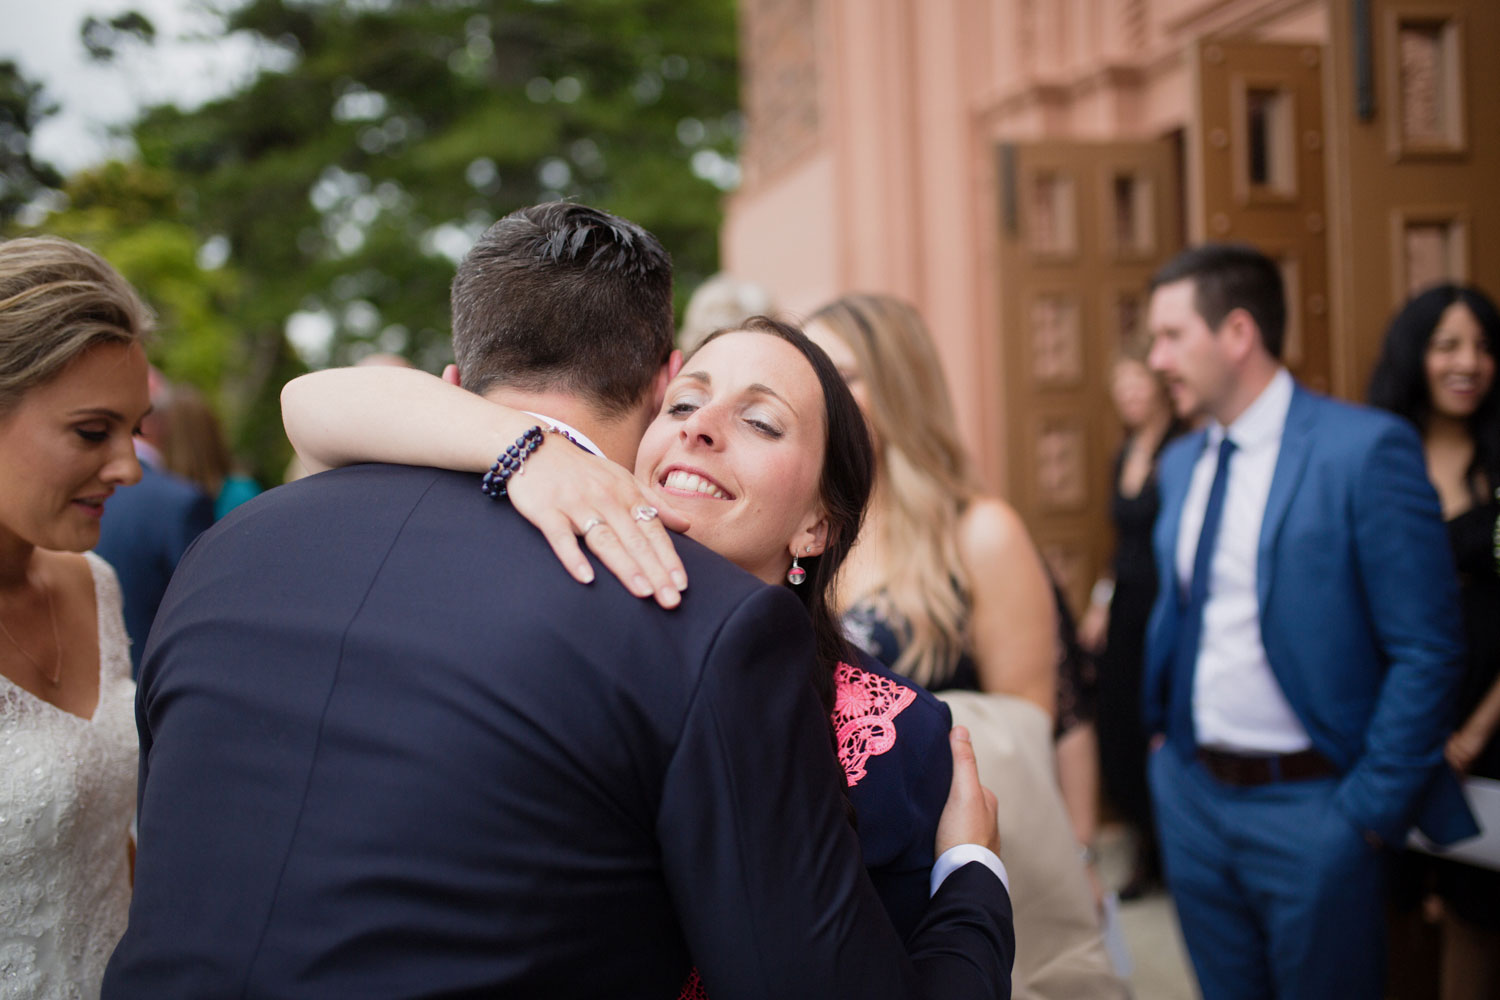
(571, 494)
(1014, 618)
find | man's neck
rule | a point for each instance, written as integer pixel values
(1247, 389)
(618, 437)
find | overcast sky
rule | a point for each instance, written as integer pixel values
(42, 36)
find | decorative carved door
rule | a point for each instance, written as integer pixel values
(1256, 175)
(1083, 226)
(1413, 127)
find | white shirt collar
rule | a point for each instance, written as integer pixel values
(572, 433)
(1263, 420)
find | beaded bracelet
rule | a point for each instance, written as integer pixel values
(510, 462)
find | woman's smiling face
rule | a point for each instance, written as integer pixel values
(67, 446)
(1460, 369)
(738, 448)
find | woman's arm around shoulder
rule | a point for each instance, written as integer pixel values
(401, 416)
(1014, 617)
(340, 416)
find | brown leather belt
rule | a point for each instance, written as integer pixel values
(1247, 770)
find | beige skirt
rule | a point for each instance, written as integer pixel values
(1060, 952)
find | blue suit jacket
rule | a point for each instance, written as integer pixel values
(1359, 610)
(146, 529)
(391, 749)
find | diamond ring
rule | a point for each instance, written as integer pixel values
(644, 512)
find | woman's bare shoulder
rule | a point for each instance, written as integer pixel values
(69, 570)
(990, 529)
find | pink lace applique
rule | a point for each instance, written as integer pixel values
(865, 707)
(693, 988)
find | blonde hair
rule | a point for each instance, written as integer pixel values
(57, 300)
(922, 480)
(720, 303)
(196, 449)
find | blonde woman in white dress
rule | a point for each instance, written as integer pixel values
(72, 391)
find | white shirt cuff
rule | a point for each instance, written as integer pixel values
(955, 858)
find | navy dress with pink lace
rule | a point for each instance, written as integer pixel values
(893, 744)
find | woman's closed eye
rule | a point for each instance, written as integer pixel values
(93, 435)
(764, 426)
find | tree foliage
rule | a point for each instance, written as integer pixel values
(338, 186)
(22, 107)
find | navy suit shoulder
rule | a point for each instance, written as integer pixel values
(899, 797)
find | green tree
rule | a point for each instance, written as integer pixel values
(23, 177)
(338, 186)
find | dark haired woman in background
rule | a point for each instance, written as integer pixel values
(1437, 369)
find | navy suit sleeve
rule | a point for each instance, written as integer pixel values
(762, 864)
(1406, 570)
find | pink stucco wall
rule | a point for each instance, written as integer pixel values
(899, 192)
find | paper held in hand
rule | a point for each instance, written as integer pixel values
(1484, 850)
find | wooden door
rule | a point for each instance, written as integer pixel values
(1257, 175)
(1083, 226)
(1414, 133)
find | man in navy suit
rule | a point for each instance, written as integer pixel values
(147, 527)
(1302, 653)
(390, 749)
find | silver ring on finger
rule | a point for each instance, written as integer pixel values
(590, 525)
(645, 512)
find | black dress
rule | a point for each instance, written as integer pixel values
(1472, 892)
(1122, 736)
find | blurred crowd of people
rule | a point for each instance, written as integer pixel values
(1291, 663)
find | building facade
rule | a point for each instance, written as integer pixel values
(1017, 168)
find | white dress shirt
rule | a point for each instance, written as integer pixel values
(1237, 703)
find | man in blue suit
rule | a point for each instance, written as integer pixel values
(390, 749)
(1302, 652)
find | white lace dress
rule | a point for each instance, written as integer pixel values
(67, 794)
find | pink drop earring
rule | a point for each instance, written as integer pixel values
(796, 574)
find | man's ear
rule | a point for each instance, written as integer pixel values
(450, 375)
(674, 364)
(1243, 333)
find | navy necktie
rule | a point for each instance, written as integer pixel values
(1190, 621)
